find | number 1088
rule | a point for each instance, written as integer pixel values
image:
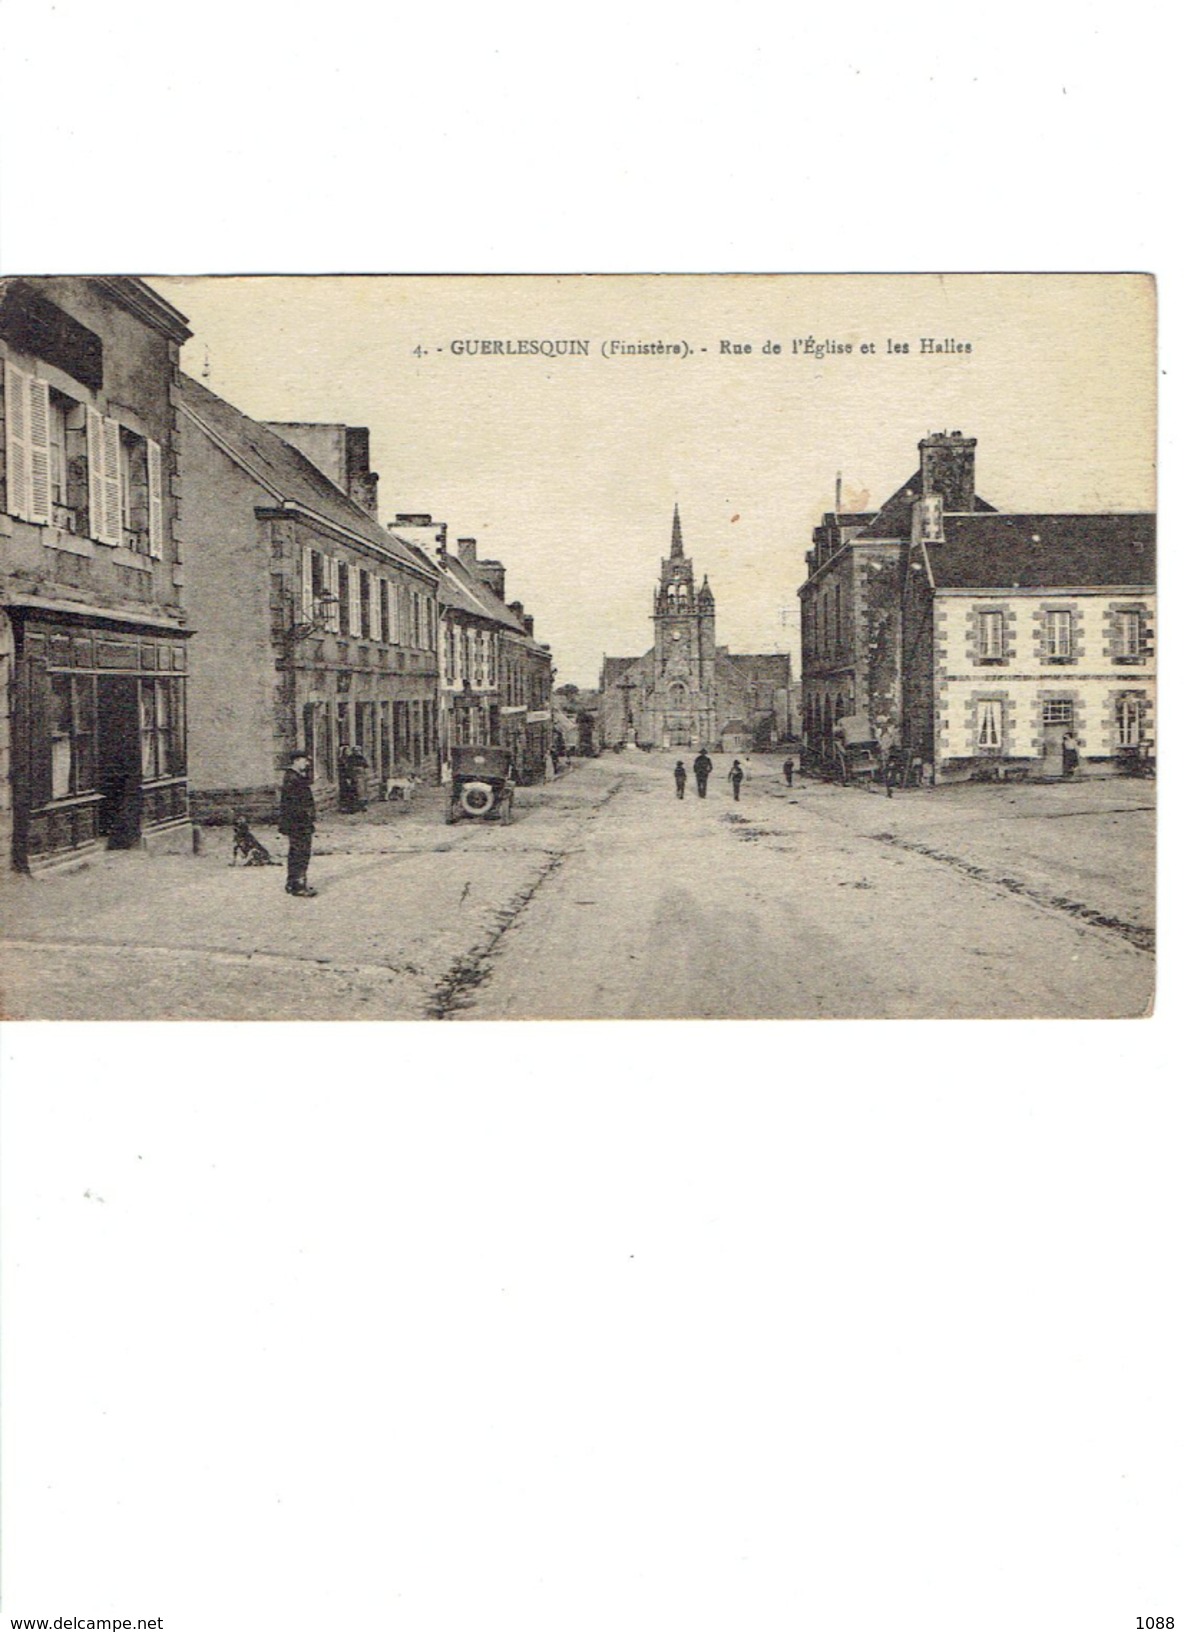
(1154, 1623)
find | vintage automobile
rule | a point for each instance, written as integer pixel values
(482, 785)
(855, 750)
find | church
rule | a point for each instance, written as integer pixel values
(687, 691)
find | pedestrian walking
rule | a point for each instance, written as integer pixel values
(735, 777)
(298, 820)
(702, 769)
(680, 779)
(788, 769)
(1069, 754)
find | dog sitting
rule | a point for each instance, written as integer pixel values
(249, 848)
(400, 788)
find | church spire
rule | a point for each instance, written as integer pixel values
(676, 538)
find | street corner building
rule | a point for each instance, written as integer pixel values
(495, 677)
(687, 691)
(317, 627)
(93, 629)
(976, 640)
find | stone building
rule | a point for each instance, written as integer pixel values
(495, 677)
(317, 627)
(687, 691)
(93, 627)
(976, 639)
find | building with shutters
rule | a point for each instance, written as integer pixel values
(975, 639)
(495, 677)
(317, 627)
(687, 691)
(93, 628)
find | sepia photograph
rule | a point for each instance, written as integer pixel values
(637, 647)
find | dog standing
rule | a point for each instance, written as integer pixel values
(400, 788)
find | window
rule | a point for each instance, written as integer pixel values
(989, 634)
(58, 459)
(989, 736)
(1058, 636)
(133, 489)
(1058, 711)
(72, 735)
(364, 604)
(384, 611)
(341, 622)
(838, 615)
(1130, 721)
(162, 717)
(355, 602)
(1128, 630)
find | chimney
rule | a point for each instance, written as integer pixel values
(528, 622)
(361, 483)
(947, 470)
(516, 608)
(493, 575)
(466, 549)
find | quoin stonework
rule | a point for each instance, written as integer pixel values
(975, 640)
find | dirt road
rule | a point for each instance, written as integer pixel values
(609, 898)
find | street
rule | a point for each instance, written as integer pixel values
(608, 898)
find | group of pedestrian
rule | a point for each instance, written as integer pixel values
(703, 767)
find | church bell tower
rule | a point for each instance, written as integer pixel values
(683, 697)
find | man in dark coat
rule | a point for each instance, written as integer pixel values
(354, 765)
(680, 779)
(298, 820)
(735, 777)
(788, 769)
(702, 769)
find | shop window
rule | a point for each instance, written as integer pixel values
(72, 735)
(989, 731)
(162, 728)
(989, 636)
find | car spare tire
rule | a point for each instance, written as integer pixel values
(476, 798)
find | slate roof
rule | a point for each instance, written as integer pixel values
(767, 668)
(895, 518)
(462, 591)
(284, 470)
(615, 667)
(1001, 550)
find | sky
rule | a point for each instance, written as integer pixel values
(567, 468)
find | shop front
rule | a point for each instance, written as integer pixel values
(98, 752)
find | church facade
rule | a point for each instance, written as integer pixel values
(687, 691)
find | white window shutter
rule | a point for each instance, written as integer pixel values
(155, 502)
(112, 532)
(39, 489)
(94, 473)
(16, 427)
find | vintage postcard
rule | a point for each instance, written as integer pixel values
(608, 647)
